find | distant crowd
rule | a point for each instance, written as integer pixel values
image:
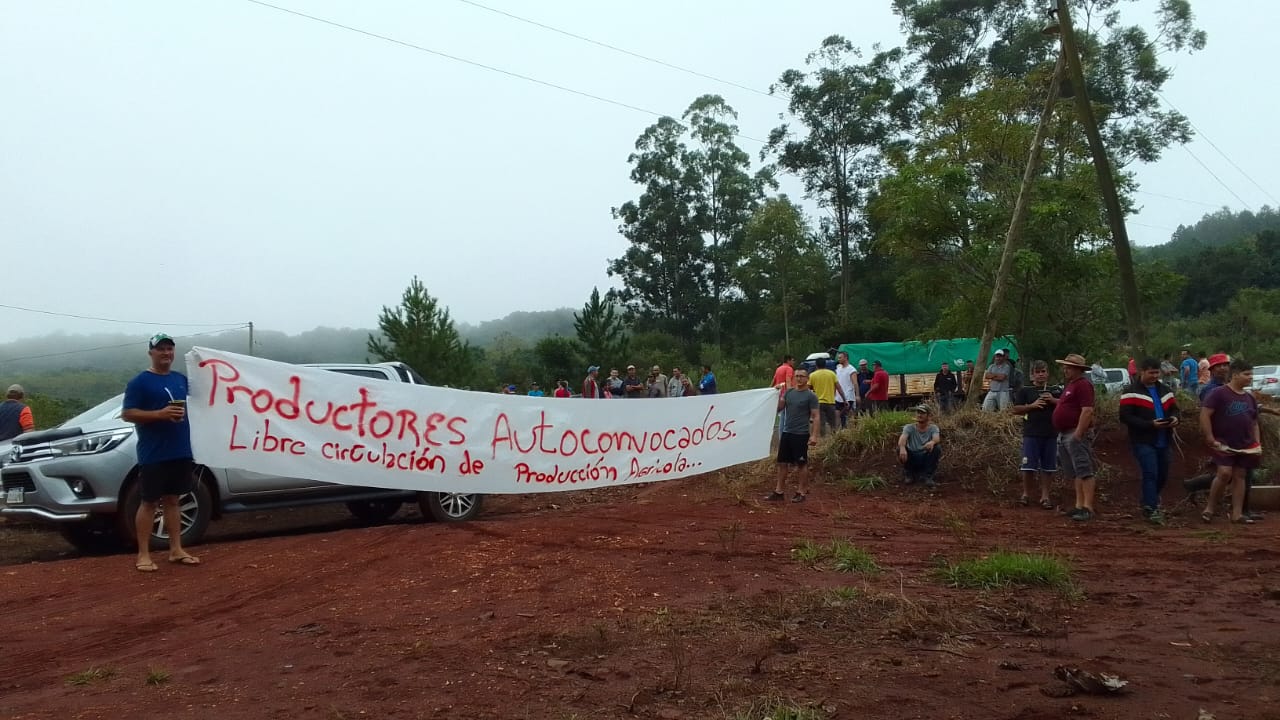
(616, 385)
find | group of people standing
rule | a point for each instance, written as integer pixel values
(656, 385)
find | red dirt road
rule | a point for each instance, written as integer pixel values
(677, 600)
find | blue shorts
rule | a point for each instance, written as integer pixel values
(1039, 454)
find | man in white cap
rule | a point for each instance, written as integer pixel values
(998, 374)
(15, 415)
(660, 380)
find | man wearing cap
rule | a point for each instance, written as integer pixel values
(1150, 412)
(878, 393)
(15, 416)
(535, 391)
(156, 401)
(632, 386)
(1073, 420)
(998, 374)
(591, 385)
(864, 385)
(919, 449)
(659, 379)
(1219, 372)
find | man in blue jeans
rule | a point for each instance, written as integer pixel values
(1150, 412)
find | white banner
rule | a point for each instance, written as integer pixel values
(277, 419)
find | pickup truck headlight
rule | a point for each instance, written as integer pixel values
(90, 444)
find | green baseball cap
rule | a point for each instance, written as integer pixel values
(159, 338)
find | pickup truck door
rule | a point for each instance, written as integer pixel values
(243, 482)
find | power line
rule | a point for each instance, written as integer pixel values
(473, 63)
(1214, 145)
(624, 51)
(1215, 177)
(1182, 200)
(115, 320)
(114, 347)
(1153, 227)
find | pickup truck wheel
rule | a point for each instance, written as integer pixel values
(196, 508)
(450, 507)
(90, 537)
(374, 511)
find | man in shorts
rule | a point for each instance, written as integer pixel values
(1039, 441)
(799, 407)
(156, 401)
(1073, 421)
(1229, 423)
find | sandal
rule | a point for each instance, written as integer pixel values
(775, 497)
(1024, 501)
(146, 566)
(798, 498)
(1243, 520)
(1047, 504)
(1206, 516)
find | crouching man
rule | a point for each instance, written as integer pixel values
(919, 449)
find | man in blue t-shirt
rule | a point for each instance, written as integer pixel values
(707, 386)
(1189, 371)
(156, 401)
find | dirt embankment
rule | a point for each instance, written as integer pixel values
(676, 600)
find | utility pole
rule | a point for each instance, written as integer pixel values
(251, 337)
(1013, 238)
(1107, 183)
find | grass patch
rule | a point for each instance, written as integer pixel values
(850, 559)
(778, 709)
(1210, 535)
(840, 555)
(838, 596)
(90, 676)
(869, 434)
(866, 483)
(156, 676)
(1005, 569)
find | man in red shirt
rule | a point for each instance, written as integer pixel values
(1073, 420)
(878, 395)
(784, 376)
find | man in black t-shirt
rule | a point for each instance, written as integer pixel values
(632, 385)
(945, 386)
(1039, 439)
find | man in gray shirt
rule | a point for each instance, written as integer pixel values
(998, 375)
(799, 407)
(918, 449)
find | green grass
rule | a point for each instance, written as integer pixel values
(90, 676)
(842, 595)
(1210, 535)
(777, 709)
(156, 676)
(850, 559)
(1005, 569)
(842, 555)
(866, 483)
(870, 433)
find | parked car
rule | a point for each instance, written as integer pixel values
(82, 477)
(1117, 379)
(1266, 379)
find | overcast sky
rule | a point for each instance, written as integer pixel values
(216, 161)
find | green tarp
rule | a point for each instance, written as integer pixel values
(924, 357)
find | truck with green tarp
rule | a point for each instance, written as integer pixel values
(913, 364)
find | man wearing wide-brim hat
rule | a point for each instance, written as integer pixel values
(1073, 420)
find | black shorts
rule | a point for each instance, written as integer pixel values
(793, 449)
(171, 477)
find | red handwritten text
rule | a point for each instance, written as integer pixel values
(543, 437)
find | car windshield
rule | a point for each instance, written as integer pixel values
(1265, 370)
(1115, 375)
(103, 411)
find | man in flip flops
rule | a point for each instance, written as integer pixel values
(799, 408)
(1073, 420)
(1039, 440)
(1229, 422)
(156, 402)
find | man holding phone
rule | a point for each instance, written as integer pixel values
(1150, 412)
(156, 401)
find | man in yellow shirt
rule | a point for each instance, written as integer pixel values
(825, 384)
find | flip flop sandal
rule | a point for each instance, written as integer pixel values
(185, 560)
(1024, 501)
(775, 497)
(1243, 520)
(1206, 516)
(798, 498)
(146, 567)
(1046, 504)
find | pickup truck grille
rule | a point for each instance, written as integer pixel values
(29, 453)
(20, 479)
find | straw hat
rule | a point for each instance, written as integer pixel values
(1074, 360)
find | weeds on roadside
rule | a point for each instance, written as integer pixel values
(843, 556)
(156, 676)
(866, 483)
(870, 434)
(778, 709)
(728, 536)
(90, 676)
(1210, 535)
(1004, 569)
(841, 595)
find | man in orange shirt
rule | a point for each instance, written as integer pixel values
(15, 416)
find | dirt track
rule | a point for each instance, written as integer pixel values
(677, 600)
